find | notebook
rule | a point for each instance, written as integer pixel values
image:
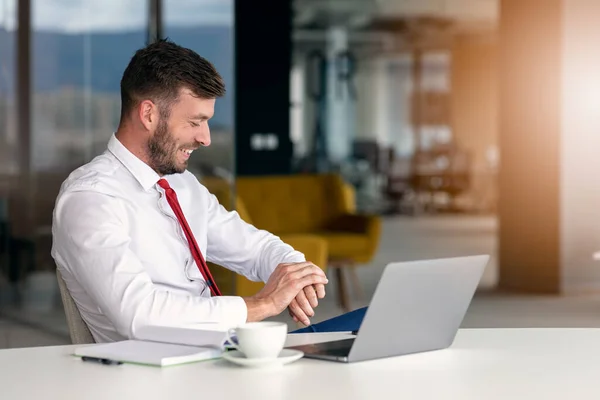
(149, 353)
(200, 335)
(163, 345)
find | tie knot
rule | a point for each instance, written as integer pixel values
(164, 184)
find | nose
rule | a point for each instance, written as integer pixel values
(203, 137)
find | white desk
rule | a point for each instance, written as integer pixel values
(481, 364)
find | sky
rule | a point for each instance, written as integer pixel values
(76, 16)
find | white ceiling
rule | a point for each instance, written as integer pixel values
(357, 13)
(394, 25)
(460, 10)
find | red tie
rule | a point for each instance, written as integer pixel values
(196, 253)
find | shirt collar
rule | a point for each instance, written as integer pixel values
(141, 171)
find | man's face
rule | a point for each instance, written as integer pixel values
(186, 129)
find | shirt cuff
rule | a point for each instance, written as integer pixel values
(290, 257)
(235, 311)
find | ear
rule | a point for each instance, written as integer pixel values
(148, 115)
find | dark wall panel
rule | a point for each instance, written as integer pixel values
(263, 58)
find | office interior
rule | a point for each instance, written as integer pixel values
(362, 132)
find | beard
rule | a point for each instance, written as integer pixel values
(162, 149)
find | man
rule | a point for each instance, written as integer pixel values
(133, 228)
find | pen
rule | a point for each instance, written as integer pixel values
(104, 361)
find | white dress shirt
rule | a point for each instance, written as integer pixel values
(124, 256)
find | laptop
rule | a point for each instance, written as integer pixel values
(418, 306)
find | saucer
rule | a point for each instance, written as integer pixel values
(285, 357)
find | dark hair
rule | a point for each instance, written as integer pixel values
(160, 70)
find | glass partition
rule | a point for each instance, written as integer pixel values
(78, 52)
(71, 56)
(8, 133)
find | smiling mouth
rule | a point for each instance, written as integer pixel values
(187, 152)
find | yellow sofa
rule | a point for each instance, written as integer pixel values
(319, 205)
(312, 246)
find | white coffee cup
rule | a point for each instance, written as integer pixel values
(259, 340)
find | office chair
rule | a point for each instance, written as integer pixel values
(78, 329)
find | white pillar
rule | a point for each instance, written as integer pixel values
(366, 108)
(340, 110)
(549, 214)
(298, 99)
(382, 99)
(402, 136)
(580, 144)
(384, 88)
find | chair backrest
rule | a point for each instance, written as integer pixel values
(293, 204)
(78, 329)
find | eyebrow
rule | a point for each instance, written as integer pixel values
(200, 116)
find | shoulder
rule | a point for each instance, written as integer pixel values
(96, 184)
(103, 175)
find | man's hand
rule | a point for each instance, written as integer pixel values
(283, 287)
(302, 307)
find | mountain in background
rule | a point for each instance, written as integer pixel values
(59, 60)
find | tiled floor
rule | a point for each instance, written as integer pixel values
(403, 238)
